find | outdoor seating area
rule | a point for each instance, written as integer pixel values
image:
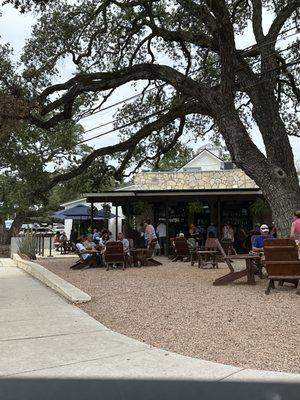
(278, 260)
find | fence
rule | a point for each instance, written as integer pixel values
(43, 245)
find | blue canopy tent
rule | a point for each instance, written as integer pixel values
(81, 212)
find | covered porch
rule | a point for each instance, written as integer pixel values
(179, 208)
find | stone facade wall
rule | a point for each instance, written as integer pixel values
(228, 179)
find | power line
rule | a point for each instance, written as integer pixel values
(160, 111)
(123, 126)
(197, 70)
(149, 90)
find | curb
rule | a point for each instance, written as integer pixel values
(59, 285)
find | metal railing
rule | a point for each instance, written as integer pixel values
(41, 242)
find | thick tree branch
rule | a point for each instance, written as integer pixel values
(176, 112)
(281, 18)
(102, 81)
(257, 20)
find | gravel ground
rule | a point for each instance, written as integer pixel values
(175, 307)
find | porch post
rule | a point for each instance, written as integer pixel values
(117, 219)
(219, 220)
(167, 228)
(92, 216)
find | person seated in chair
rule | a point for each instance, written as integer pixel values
(105, 236)
(88, 251)
(96, 236)
(89, 244)
(258, 246)
(56, 241)
(125, 242)
(126, 248)
(258, 242)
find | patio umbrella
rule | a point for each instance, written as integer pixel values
(81, 212)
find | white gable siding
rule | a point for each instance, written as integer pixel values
(205, 161)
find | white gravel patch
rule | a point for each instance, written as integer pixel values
(176, 307)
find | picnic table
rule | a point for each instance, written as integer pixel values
(233, 275)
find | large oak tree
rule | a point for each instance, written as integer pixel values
(186, 51)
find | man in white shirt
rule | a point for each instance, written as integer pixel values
(87, 254)
(161, 230)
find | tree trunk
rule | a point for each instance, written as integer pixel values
(283, 204)
(3, 232)
(16, 226)
(282, 191)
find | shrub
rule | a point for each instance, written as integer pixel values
(27, 245)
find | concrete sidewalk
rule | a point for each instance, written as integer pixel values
(42, 335)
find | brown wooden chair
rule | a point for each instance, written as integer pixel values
(281, 262)
(81, 263)
(114, 254)
(209, 255)
(145, 256)
(233, 274)
(182, 249)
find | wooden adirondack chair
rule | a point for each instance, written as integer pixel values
(228, 246)
(281, 262)
(81, 263)
(144, 256)
(209, 255)
(182, 249)
(234, 275)
(114, 254)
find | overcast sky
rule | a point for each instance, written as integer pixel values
(16, 27)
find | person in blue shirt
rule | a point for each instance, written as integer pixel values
(258, 242)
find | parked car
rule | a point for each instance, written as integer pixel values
(44, 230)
(37, 230)
(58, 227)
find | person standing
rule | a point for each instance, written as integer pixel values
(212, 230)
(149, 232)
(161, 230)
(295, 227)
(228, 232)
